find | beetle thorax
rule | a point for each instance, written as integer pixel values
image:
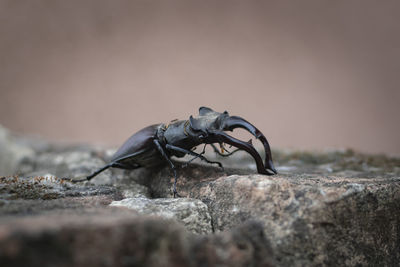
(178, 134)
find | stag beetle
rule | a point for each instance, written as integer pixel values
(157, 143)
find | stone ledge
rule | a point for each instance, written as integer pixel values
(126, 240)
(325, 208)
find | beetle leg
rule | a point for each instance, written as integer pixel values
(75, 179)
(166, 157)
(229, 153)
(88, 178)
(202, 153)
(221, 154)
(204, 149)
(171, 147)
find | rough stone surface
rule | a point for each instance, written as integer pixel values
(47, 187)
(331, 208)
(122, 239)
(192, 213)
(66, 164)
(330, 220)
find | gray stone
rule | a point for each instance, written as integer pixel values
(192, 213)
(71, 164)
(120, 239)
(324, 209)
(313, 221)
(47, 187)
(134, 190)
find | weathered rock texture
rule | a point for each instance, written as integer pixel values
(192, 213)
(120, 239)
(333, 208)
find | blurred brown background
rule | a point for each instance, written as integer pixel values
(309, 74)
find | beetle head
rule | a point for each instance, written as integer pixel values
(209, 125)
(208, 119)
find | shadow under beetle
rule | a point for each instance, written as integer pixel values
(157, 143)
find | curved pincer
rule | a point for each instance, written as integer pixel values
(233, 122)
(221, 137)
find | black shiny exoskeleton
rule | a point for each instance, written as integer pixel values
(157, 143)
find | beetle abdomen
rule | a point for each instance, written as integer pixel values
(138, 149)
(143, 158)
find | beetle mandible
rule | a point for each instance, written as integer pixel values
(157, 143)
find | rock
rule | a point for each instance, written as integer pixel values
(313, 220)
(71, 164)
(246, 245)
(126, 240)
(47, 187)
(134, 190)
(324, 208)
(160, 182)
(190, 212)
